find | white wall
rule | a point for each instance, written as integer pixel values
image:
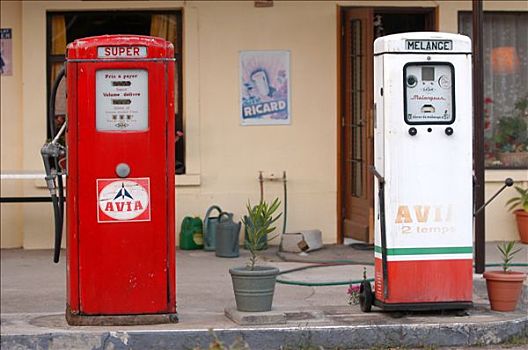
(11, 127)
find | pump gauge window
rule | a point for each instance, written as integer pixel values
(444, 81)
(121, 100)
(429, 93)
(411, 81)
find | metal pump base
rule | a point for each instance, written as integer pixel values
(118, 320)
(423, 306)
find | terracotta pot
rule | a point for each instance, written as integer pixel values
(522, 224)
(504, 289)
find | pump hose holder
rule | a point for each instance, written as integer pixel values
(381, 198)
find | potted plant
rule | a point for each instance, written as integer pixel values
(521, 214)
(254, 285)
(504, 287)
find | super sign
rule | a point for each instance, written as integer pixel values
(121, 51)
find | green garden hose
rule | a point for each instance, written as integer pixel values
(330, 263)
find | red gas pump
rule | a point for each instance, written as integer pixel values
(120, 181)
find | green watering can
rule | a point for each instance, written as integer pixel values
(227, 233)
(209, 228)
(191, 235)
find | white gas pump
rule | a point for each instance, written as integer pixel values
(423, 163)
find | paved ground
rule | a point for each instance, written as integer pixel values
(33, 302)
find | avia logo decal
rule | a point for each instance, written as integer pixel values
(123, 200)
(123, 192)
(423, 213)
(436, 219)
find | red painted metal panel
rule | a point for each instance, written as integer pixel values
(120, 267)
(72, 252)
(171, 166)
(426, 281)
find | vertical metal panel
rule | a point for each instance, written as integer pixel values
(478, 132)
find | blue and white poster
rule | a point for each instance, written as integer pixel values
(265, 87)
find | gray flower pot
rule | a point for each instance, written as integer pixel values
(254, 289)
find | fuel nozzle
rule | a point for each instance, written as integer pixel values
(51, 152)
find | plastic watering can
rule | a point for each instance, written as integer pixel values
(209, 228)
(227, 235)
(191, 235)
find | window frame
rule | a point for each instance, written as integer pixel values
(461, 13)
(52, 59)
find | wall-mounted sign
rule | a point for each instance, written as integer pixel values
(265, 87)
(6, 51)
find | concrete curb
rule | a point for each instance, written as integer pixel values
(349, 337)
(33, 318)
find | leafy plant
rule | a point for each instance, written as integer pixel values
(508, 251)
(354, 291)
(521, 200)
(512, 131)
(353, 294)
(258, 224)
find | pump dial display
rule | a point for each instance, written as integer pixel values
(429, 93)
(411, 81)
(444, 81)
(121, 99)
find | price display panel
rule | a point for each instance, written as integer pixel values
(429, 92)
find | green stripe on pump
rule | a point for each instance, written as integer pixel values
(422, 251)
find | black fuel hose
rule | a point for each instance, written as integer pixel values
(58, 227)
(50, 180)
(51, 105)
(60, 188)
(59, 220)
(57, 200)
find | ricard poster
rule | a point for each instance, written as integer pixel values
(265, 87)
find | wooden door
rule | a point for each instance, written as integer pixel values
(357, 133)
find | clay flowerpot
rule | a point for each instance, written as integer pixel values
(254, 289)
(504, 289)
(522, 224)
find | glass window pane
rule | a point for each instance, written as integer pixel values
(357, 179)
(60, 100)
(118, 113)
(357, 97)
(505, 87)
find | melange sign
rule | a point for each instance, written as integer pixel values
(123, 200)
(429, 45)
